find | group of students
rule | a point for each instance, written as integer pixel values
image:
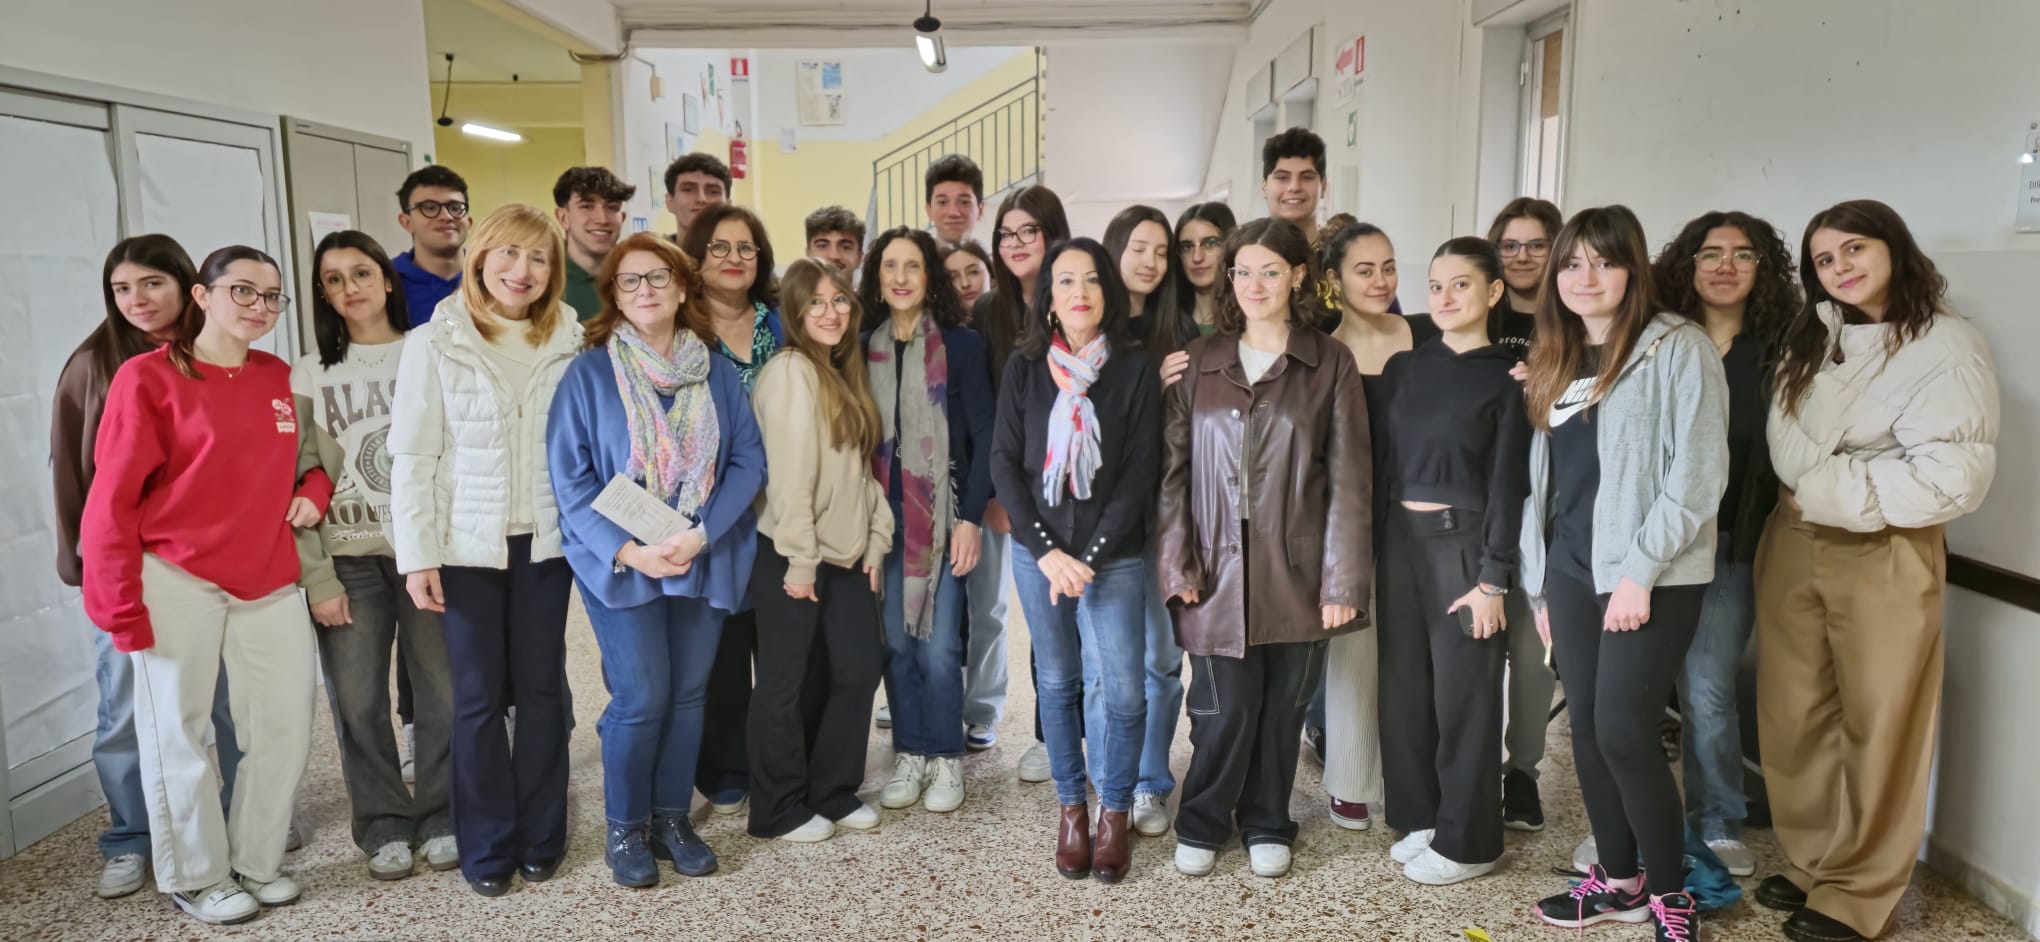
(1205, 439)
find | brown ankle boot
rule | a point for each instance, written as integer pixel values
(1073, 842)
(1114, 850)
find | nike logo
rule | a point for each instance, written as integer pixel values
(1575, 398)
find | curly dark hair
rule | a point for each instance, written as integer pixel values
(1917, 292)
(1295, 142)
(940, 300)
(835, 219)
(597, 182)
(1773, 298)
(697, 162)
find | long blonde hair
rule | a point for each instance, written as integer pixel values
(527, 228)
(845, 385)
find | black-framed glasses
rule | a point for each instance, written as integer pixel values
(1740, 258)
(628, 282)
(1025, 235)
(245, 295)
(1538, 248)
(431, 209)
(745, 250)
(1207, 244)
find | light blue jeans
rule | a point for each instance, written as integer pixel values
(924, 679)
(117, 757)
(1106, 629)
(1713, 755)
(1164, 685)
(984, 665)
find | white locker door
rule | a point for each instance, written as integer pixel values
(57, 180)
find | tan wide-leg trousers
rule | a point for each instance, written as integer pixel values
(1849, 655)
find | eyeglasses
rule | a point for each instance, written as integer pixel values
(745, 250)
(431, 209)
(629, 282)
(1241, 276)
(1025, 235)
(1537, 248)
(1207, 244)
(246, 296)
(1740, 258)
(817, 305)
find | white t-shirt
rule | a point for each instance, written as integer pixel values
(1255, 363)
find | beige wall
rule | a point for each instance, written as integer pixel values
(499, 173)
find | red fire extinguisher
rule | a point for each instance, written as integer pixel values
(738, 162)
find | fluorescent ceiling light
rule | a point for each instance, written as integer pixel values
(928, 39)
(494, 134)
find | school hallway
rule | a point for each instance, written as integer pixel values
(983, 872)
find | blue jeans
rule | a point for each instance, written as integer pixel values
(116, 756)
(924, 679)
(1104, 628)
(1713, 755)
(1163, 668)
(656, 660)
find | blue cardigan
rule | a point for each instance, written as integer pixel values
(587, 441)
(970, 410)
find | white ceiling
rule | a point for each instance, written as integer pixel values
(488, 48)
(680, 15)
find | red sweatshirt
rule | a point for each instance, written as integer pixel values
(199, 473)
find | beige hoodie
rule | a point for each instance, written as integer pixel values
(821, 504)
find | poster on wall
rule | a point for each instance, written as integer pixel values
(678, 141)
(690, 113)
(819, 85)
(1348, 63)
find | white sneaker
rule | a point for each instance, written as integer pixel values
(1586, 856)
(863, 819)
(281, 891)
(123, 874)
(442, 853)
(1194, 861)
(392, 861)
(1412, 846)
(978, 737)
(1034, 764)
(1150, 815)
(816, 830)
(1435, 869)
(408, 755)
(1737, 858)
(1269, 860)
(945, 785)
(739, 806)
(910, 775)
(222, 904)
(883, 718)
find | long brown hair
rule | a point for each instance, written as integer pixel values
(182, 351)
(597, 331)
(1613, 233)
(845, 384)
(528, 228)
(1918, 290)
(115, 341)
(1004, 308)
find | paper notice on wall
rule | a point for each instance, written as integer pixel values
(325, 224)
(819, 85)
(789, 141)
(2029, 196)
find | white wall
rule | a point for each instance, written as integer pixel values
(358, 65)
(883, 88)
(1130, 123)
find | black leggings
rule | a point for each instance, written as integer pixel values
(1616, 685)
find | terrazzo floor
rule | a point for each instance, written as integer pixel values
(983, 872)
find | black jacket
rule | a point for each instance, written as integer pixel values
(1113, 523)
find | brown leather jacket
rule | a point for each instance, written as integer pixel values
(1306, 531)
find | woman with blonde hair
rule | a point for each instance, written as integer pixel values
(477, 536)
(823, 533)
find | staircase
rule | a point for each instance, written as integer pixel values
(1002, 133)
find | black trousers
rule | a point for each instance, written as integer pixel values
(1615, 688)
(1246, 728)
(1440, 690)
(506, 631)
(810, 721)
(724, 769)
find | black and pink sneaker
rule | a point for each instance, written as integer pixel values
(1674, 915)
(1593, 902)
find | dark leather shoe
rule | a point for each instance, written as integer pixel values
(628, 852)
(1073, 842)
(1781, 894)
(541, 871)
(673, 839)
(1809, 926)
(1112, 852)
(490, 886)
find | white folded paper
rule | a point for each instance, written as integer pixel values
(639, 513)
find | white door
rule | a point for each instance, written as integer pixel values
(57, 181)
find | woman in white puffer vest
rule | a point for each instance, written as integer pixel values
(1883, 427)
(477, 535)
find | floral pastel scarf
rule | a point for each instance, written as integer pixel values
(672, 450)
(1073, 454)
(913, 398)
